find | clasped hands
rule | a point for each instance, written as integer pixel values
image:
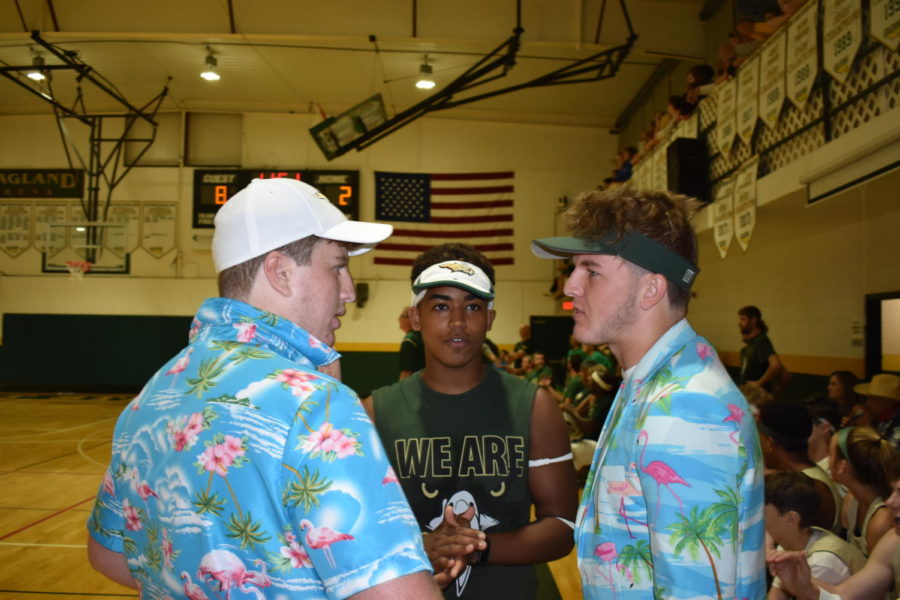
(453, 545)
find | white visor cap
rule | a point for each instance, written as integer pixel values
(270, 213)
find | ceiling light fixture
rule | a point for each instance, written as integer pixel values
(211, 72)
(38, 73)
(425, 81)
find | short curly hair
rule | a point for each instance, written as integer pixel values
(451, 251)
(661, 216)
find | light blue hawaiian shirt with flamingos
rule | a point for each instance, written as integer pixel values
(673, 505)
(242, 472)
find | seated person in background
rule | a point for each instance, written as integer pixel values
(540, 369)
(584, 429)
(573, 383)
(503, 360)
(757, 396)
(826, 419)
(791, 501)
(883, 405)
(859, 461)
(475, 449)
(699, 83)
(840, 389)
(527, 366)
(873, 581)
(784, 428)
(522, 347)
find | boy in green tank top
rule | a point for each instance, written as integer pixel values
(474, 447)
(880, 574)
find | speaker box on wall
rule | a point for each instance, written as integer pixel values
(687, 166)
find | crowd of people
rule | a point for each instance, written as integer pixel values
(245, 467)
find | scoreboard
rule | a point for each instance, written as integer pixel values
(212, 188)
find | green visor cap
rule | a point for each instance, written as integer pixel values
(633, 246)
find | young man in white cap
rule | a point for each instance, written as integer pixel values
(474, 447)
(673, 503)
(240, 466)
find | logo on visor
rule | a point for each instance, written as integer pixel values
(457, 267)
(688, 275)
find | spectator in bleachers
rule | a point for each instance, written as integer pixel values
(791, 503)
(883, 405)
(880, 572)
(859, 459)
(757, 397)
(784, 428)
(826, 419)
(840, 389)
(699, 83)
(540, 369)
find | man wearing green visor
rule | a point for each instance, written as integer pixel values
(473, 447)
(673, 504)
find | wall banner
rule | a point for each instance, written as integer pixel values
(41, 183)
(771, 77)
(15, 227)
(725, 115)
(884, 22)
(723, 221)
(748, 98)
(45, 213)
(745, 202)
(158, 227)
(802, 63)
(129, 215)
(841, 36)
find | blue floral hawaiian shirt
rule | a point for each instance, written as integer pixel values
(673, 505)
(242, 472)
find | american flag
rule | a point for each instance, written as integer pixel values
(431, 209)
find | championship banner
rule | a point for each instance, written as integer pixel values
(15, 227)
(884, 22)
(802, 63)
(841, 36)
(771, 77)
(46, 213)
(41, 183)
(725, 115)
(158, 227)
(745, 202)
(723, 221)
(748, 98)
(129, 215)
(660, 175)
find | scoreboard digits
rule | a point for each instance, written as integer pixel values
(213, 188)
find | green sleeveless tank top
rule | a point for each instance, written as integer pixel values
(469, 448)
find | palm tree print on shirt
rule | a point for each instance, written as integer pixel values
(699, 530)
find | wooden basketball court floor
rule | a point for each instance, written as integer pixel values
(53, 451)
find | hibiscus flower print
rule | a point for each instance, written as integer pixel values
(299, 382)
(132, 516)
(108, 486)
(168, 550)
(184, 432)
(331, 443)
(297, 554)
(221, 454)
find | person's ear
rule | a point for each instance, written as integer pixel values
(276, 270)
(491, 314)
(655, 288)
(793, 517)
(414, 318)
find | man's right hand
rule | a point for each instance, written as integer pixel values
(793, 570)
(451, 544)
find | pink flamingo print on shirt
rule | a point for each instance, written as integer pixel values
(228, 571)
(662, 473)
(606, 552)
(180, 365)
(736, 415)
(624, 489)
(191, 589)
(321, 538)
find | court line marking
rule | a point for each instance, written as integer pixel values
(35, 545)
(28, 435)
(50, 516)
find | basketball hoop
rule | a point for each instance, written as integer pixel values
(77, 269)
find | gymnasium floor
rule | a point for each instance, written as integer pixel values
(53, 451)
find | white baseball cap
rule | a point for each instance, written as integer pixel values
(270, 213)
(453, 273)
